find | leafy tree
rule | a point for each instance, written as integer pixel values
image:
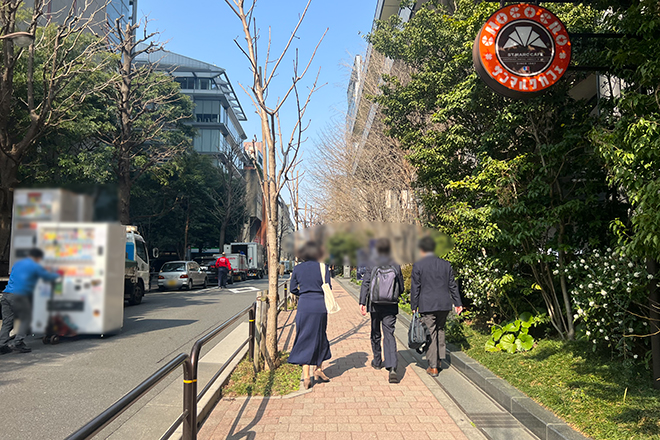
(515, 181)
(176, 204)
(629, 139)
(42, 87)
(147, 120)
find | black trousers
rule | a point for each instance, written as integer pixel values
(15, 306)
(387, 321)
(435, 322)
(222, 276)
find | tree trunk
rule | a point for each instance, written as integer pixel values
(564, 290)
(654, 315)
(273, 271)
(223, 233)
(8, 182)
(125, 184)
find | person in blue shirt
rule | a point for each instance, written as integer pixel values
(17, 300)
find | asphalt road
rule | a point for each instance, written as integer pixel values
(51, 392)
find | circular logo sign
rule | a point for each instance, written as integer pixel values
(522, 50)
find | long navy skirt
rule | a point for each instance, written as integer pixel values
(311, 346)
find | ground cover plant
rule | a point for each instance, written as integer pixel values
(593, 392)
(283, 380)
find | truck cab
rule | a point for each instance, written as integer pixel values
(137, 274)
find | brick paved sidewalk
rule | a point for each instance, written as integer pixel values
(358, 403)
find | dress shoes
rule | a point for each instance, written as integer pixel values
(376, 366)
(393, 378)
(433, 372)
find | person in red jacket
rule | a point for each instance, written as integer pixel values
(224, 266)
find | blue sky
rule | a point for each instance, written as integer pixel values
(206, 29)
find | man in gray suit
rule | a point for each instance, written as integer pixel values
(433, 292)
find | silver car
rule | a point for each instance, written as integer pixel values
(182, 275)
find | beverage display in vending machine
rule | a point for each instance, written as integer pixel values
(89, 297)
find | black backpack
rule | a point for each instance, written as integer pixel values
(384, 288)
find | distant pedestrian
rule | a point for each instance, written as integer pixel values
(311, 346)
(224, 267)
(433, 293)
(383, 274)
(17, 300)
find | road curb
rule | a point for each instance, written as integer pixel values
(540, 421)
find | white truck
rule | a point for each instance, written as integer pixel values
(136, 274)
(255, 255)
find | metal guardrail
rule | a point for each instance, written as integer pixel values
(117, 408)
(190, 363)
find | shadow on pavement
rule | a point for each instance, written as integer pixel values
(341, 365)
(245, 433)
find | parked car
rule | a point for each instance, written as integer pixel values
(208, 265)
(182, 275)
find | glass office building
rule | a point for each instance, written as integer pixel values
(217, 111)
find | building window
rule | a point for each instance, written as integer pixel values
(207, 141)
(186, 83)
(207, 111)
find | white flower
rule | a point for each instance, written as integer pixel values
(630, 264)
(575, 316)
(634, 356)
(636, 274)
(649, 276)
(581, 286)
(591, 286)
(555, 272)
(605, 305)
(591, 303)
(597, 255)
(586, 266)
(582, 261)
(597, 322)
(607, 338)
(609, 249)
(602, 292)
(645, 324)
(616, 280)
(630, 329)
(580, 311)
(566, 270)
(588, 333)
(601, 330)
(589, 275)
(570, 277)
(628, 290)
(603, 320)
(594, 341)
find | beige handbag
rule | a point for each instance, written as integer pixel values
(330, 303)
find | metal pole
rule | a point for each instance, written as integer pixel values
(251, 330)
(286, 296)
(189, 401)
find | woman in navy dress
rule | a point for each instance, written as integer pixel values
(311, 346)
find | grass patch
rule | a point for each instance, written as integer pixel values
(283, 380)
(584, 388)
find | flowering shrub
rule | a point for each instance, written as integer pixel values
(492, 291)
(607, 289)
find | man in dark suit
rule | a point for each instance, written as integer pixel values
(433, 293)
(382, 315)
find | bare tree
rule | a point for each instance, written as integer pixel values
(149, 110)
(293, 185)
(33, 105)
(361, 173)
(278, 161)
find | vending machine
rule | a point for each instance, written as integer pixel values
(43, 205)
(89, 297)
